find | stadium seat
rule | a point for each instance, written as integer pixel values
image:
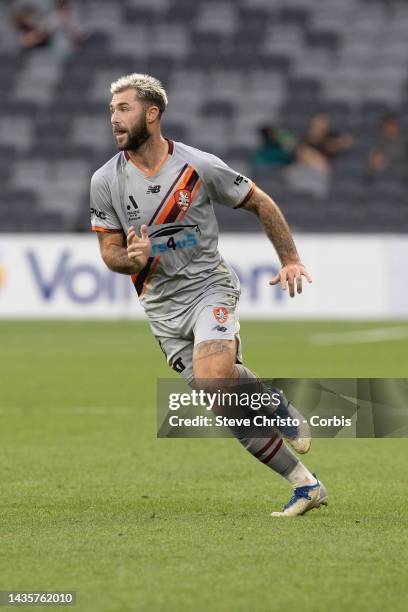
(229, 68)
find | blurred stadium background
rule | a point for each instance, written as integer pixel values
(230, 67)
(307, 97)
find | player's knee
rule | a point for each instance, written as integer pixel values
(211, 371)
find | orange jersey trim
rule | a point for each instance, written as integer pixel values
(193, 195)
(170, 202)
(142, 285)
(159, 165)
(149, 277)
(104, 230)
(155, 170)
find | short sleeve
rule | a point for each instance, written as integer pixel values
(103, 215)
(226, 186)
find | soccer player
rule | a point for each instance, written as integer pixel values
(152, 209)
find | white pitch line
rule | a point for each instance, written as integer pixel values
(378, 334)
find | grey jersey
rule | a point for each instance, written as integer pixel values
(176, 203)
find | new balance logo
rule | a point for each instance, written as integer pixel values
(153, 189)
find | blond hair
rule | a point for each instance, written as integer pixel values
(148, 89)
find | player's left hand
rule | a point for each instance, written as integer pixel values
(289, 275)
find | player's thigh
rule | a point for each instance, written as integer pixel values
(216, 340)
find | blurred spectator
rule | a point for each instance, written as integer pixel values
(66, 33)
(377, 162)
(39, 29)
(311, 172)
(390, 152)
(276, 149)
(31, 29)
(323, 141)
(312, 168)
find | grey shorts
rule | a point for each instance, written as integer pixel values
(214, 317)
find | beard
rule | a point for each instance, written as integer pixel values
(136, 136)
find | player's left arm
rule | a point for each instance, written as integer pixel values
(278, 232)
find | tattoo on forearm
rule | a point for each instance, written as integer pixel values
(278, 233)
(274, 224)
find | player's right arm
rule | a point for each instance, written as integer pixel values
(124, 255)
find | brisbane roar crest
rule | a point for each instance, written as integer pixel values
(183, 199)
(221, 314)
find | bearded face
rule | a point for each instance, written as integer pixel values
(131, 137)
(129, 120)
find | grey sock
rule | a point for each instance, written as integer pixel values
(272, 451)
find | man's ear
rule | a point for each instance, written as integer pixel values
(152, 114)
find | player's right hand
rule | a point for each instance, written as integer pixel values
(138, 249)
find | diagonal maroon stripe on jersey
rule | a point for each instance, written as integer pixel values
(192, 181)
(168, 193)
(173, 214)
(175, 210)
(149, 276)
(139, 279)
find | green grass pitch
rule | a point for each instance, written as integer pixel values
(91, 501)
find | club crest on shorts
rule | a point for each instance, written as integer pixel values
(221, 314)
(183, 198)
